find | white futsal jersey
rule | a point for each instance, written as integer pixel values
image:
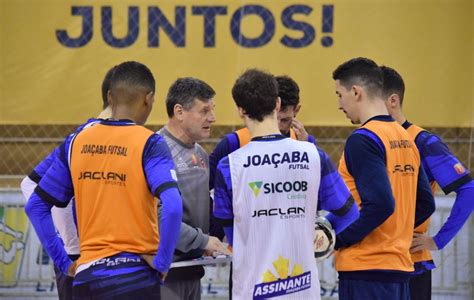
(275, 188)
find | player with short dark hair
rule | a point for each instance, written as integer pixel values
(266, 197)
(382, 168)
(288, 91)
(114, 169)
(443, 168)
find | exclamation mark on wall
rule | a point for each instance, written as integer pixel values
(328, 22)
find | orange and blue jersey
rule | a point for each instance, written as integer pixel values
(113, 169)
(382, 168)
(444, 169)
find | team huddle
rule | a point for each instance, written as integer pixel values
(127, 201)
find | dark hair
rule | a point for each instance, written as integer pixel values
(360, 71)
(392, 83)
(184, 90)
(106, 86)
(134, 76)
(288, 91)
(256, 92)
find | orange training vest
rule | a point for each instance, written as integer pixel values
(116, 212)
(387, 246)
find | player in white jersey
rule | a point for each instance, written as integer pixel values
(63, 217)
(266, 197)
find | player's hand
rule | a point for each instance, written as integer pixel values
(301, 134)
(71, 272)
(149, 260)
(422, 242)
(162, 276)
(215, 245)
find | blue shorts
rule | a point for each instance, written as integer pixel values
(362, 290)
(121, 276)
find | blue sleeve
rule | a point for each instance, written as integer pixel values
(229, 232)
(223, 211)
(425, 205)
(171, 216)
(228, 144)
(440, 164)
(312, 139)
(159, 171)
(335, 197)
(56, 185)
(462, 209)
(41, 168)
(39, 213)
(365, 161)
(158, 165)
(444, 167)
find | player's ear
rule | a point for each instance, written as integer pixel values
(241, 112)
(150, 98)
(357, 91)
(297, 108)
(394, 100)
(109, 97)
(278, 104)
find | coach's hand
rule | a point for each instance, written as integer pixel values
(422, 242)
(215, 245)
(301, 134)
(71, 272)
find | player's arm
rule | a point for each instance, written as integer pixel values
(334, 196)
(446, 169)
(28, 184)
(227, 145)
(54, 189)
(365, 160)
(161, 178)
(223, 211)
(312, 139)
(425, 205)
(221, 150)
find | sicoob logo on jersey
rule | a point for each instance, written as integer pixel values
(285, 284)
(297, 160)
(292, 188)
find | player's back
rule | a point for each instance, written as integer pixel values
(116, 212)
(275, 183)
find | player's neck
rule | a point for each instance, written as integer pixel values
(125, 113)
(106, 113)
(373, 107)
(268, 126)
(399, 117)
